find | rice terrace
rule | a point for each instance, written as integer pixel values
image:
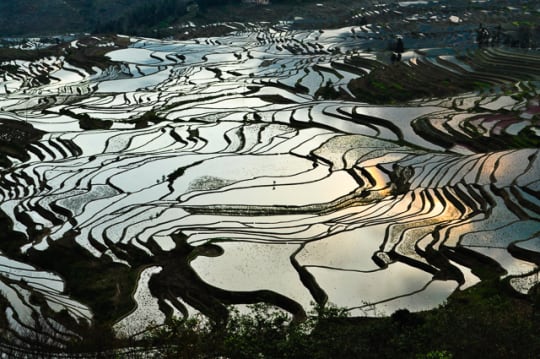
(378, 160)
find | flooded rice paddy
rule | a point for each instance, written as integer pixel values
(242, 184)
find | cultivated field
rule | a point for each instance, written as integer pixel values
(291, 167)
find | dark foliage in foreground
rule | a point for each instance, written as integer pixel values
(488, 320)
(483, 322)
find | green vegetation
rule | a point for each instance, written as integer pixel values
(401, 82)
(480, 322)
(487, 320)
(484, 321)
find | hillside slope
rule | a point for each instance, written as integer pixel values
(25, 17)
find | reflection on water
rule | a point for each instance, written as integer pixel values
(226, 174)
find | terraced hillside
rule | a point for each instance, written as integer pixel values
(187, 176)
